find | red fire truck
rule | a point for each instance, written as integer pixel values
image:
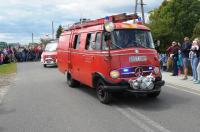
(49, 55)
(111, 56)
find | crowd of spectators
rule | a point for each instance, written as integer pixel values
(20, 53)
(182, 57)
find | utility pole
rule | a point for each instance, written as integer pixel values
(142, 9)
(52, 30)
(136, 3)
(135, 12)
(32, 38)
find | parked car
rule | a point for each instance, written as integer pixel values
(49, 55)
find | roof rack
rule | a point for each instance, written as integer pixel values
(114, 18)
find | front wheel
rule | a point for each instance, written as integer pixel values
(154, 95)
(44, 65)
(103, 95)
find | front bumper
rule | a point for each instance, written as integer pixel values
(50, 61)
(124, 86)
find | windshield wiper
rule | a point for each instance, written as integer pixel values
(117, 46)
(140, 45)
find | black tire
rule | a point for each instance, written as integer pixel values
(103, 95)
(153, 95)
(71, 82)
(45, 65)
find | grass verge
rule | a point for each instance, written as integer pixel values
(8, 68)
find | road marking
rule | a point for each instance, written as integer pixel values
(185, 87)
(135, 120)
(141, 120)
(149, 121)
(181, 89)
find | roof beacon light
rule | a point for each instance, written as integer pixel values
(106, 19)
(139, 20)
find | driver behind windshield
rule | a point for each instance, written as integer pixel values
(126, 38)
(123, 39)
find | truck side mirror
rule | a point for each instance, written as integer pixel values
(107, 36)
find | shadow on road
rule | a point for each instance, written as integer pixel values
(165, 101)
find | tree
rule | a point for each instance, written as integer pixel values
(196, 32)
(59, 31)
(173, 20)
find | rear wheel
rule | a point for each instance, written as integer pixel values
(103, 95)
(71, 82)
(154, 95)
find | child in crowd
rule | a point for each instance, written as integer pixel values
(179, 62)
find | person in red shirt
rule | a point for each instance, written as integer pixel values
(169, 60)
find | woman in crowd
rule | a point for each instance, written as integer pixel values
(195, 59)
(198, 67)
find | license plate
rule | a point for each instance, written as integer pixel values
(137, 58)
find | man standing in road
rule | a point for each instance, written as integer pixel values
(185, 49)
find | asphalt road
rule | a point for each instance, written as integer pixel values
(40, 101)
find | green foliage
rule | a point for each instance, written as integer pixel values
(173, 20)
(59, 31)
(196, 32)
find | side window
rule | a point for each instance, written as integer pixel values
(90, 41)
(98, 41)
(76, 41)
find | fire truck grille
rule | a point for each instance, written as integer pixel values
(136, 71)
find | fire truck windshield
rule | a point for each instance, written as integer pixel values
(127, 38)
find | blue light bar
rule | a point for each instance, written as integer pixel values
(125, 70)
(139, 19)
(107, 18)
(150, 68)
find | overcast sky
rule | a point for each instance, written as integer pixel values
(20, 18)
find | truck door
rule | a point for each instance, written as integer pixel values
(90, 56)
(75, 57)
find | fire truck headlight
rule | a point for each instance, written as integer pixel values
(114, 74)
(156, 70)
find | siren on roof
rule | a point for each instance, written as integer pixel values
(139, 20)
